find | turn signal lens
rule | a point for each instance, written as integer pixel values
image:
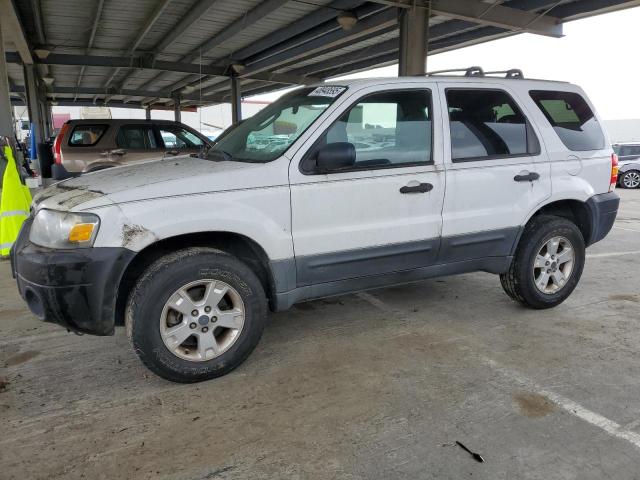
(81, 232)
(614, 172)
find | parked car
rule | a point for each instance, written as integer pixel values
(191, 253)
(84, 146)
(629, 158)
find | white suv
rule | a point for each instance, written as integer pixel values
(332, 189)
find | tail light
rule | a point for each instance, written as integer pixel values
(614, 172)
(57, 154)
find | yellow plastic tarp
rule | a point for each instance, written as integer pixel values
(14, 206)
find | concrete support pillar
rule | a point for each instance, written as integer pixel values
(414, 37)
(176, 109)
(33, 103)
(236, 100)
(147, 113)
(47, 118)
(6, 112)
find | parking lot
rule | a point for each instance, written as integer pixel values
(372, 385)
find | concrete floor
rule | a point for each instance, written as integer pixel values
(369, 386)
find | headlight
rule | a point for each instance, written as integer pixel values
(55, 229)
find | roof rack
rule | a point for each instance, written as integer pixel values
(479, 72)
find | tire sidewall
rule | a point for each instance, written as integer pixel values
(163, 279)
(538, 237)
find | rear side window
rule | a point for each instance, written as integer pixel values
(86, 135)
(486, 124)
(136, 137)
(629, 150)
(571, 118)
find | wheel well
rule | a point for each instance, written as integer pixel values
(573, 210)
(235, 244)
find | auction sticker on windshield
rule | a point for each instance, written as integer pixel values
(327, 91)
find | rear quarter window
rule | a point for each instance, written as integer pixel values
(571, 118)
(86, 135)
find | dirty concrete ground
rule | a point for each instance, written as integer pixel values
(376, 385)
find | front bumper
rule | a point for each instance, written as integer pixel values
(73, 288)
(603, 209)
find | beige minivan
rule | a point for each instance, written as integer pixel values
(84, 146)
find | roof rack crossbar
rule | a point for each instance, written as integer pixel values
(479, 72)
(468, 72)
(511, 73)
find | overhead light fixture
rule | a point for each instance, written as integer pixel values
(48, 81)
(188, 89)
(41, 53)
(238, 68)
(347, 19)
(54, 103)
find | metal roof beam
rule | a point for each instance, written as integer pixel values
(491, 14)
(317, 17)
(194, 14)
(143, 62)
(249, 18)
(92, 36)
(318, 23)
(372, 25)
(14, 30)
(144, 31)
(57, 90)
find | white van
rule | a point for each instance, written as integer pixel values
(334, 188)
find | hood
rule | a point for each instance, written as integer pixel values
(158, 179)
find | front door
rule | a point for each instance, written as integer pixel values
(382, 214)
(135, 143)
(497, 171)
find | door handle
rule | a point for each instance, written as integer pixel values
(527, 177)
(119, 152)
(418, 188)
(172, 152)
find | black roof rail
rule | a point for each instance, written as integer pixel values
(511, 73)
(478, 72)
(468, 72)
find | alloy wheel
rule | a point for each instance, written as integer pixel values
(202, 320)
(553, 265)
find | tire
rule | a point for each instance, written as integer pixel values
(539, 238)
(176, 281)
(630, 179)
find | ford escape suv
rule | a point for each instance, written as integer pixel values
(334, 188)
(84, 146)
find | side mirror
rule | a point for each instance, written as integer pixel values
(336, 156)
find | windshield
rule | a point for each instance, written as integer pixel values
(265, 136)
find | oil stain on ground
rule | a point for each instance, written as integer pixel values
(21, 358)
(623, 297)
(533, 405)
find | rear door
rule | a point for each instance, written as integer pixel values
(135, 143)
(496, 170)
(382, 215)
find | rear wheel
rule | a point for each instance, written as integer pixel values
(630, 179)
(548, 263)
(196, 314)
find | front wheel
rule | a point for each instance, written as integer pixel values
(195, 314)
(630, 179)
(548, 263)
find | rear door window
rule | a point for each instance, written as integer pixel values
(86, 135)
(138, 137)
(487, 124)
(571, 118)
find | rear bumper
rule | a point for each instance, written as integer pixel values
(603, 209)
(73, 288)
